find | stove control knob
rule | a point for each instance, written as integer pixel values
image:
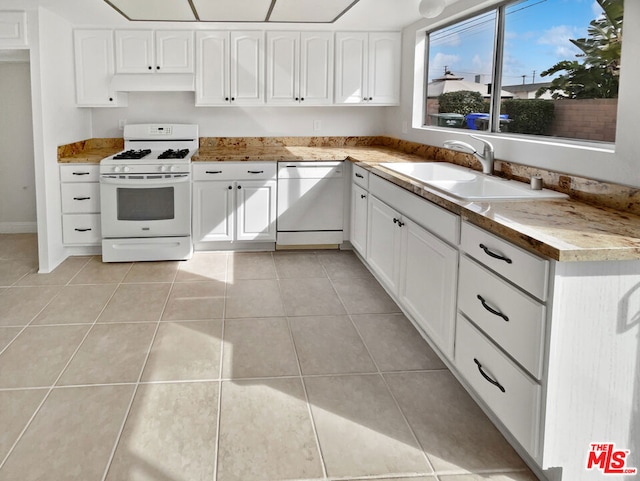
(163, 168)
(126, 169)
(116, 168)
(174, 168)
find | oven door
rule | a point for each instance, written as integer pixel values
(147, 205)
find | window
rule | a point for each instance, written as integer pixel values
(536, 67)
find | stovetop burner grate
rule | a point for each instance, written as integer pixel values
(174, 154)
(133, 154)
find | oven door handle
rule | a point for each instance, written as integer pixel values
(145, 182)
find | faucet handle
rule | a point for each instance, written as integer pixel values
(487, 145)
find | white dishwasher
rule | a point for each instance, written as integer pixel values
(310, 203)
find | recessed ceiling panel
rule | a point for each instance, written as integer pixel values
(312, 11)
(157, 10)
(232, 10)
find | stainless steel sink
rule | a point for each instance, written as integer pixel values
(466, 184)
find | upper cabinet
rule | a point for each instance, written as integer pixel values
(13, 29)
(229, 68)
(368, 68)
(95, 67)
(299, 68)
(160, 51)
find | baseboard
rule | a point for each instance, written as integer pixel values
(18, 227)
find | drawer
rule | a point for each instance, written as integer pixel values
(310, 170)
(80, 173)
(234, 171)
(521, 331)
(437, 220)
(81, 229)
(524, 269)
(360, 176)
(512, 396)
(80, 198)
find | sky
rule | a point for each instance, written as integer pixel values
(536, 37)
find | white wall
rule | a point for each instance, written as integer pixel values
(57, 121)
(17, 189)
(178, 107)
(619, 165)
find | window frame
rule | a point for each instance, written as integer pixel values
(495, 99)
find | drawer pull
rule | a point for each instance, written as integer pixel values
(213, 172)
(494, 255)
(359, 176)
(82, 230)
(255, 171)
(492, 311)
(81, 173)
(484, 375)
(81, 198)
(362, 196)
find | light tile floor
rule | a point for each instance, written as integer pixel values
(252, 366)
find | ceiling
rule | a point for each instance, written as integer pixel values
(333, 14)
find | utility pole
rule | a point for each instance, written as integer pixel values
(523, 78)
(534, 77)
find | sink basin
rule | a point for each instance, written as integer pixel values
(466, 184)
(484, 188)
(429, 171)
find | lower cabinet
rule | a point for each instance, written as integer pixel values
(241, 207)
(417, 267)
(80, 199)
(359, 215)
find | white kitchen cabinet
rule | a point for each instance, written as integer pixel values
(94, 69)
(229, 68)
(359, 219)
(368, 68)
(299, 68)
(418, 268)
(148, 51)
(80, 198)
(13, 29)
(234, 202)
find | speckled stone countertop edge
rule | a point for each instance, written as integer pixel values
(597, 229)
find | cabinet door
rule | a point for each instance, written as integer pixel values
(283, 52)
(351, 67)
(13, 31)
(94, 62)
(316, 68)
(174, 51)
(384, 241)
(212, 68)
(428, 284)
(256, 210)
(384, 68)
(134, 51)
(359, 209)
(247, 68)
(213, 213)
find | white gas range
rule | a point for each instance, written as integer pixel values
(145, 194)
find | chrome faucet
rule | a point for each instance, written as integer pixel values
(486, 158)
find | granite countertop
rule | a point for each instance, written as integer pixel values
(564, 230)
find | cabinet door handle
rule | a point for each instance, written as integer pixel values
(81, 173)
(400, 223)
(255, 171)
(82, 230)
(359, 176)
(213, 172)
(239, 187)
(484, 375)
(81, 198)
(230, 187)
(395, 221)
(492, 311)
(362, 196)
(494, 255)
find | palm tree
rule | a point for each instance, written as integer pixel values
(598, 74)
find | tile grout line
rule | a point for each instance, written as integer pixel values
(138, 382)
(216, 448)
(380, 373)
